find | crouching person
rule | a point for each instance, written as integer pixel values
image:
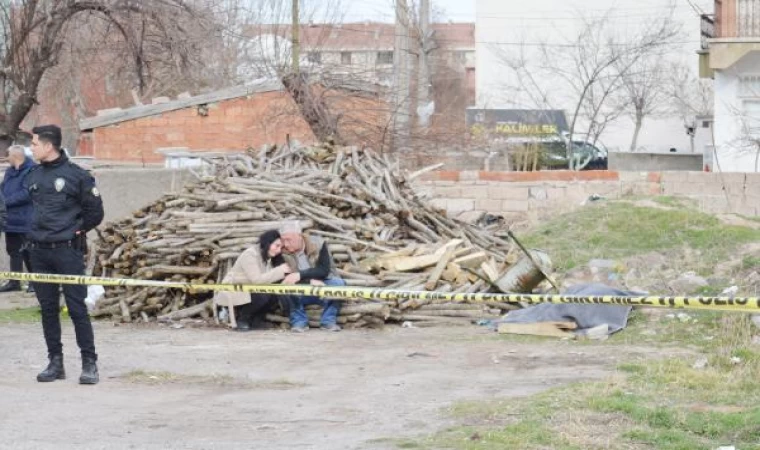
(260, 264)
(311, 262)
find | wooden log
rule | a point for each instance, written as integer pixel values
(472, 261)
(452, 307)
(378, 309)
(455, 313)
(504, 306)
(186, 313)
(430, 318)
(550, 329)
(435, 275)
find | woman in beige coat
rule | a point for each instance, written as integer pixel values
(261, 264)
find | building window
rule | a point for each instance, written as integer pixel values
(751, 119)
(460, 57)
(314, 57)
(345, 58)
(384, 57)
(749, 86)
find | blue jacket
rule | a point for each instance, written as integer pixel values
(18, 202)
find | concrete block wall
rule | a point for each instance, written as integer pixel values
(127, 190)
(518, 193)
(507, 193)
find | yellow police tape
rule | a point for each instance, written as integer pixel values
(743, 304)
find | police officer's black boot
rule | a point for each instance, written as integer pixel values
(54, 370)
(89, 371)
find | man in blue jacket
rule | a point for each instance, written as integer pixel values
(19, 209)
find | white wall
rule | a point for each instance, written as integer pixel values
(501, 23)
(734, 154)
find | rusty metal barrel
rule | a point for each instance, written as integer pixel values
(524, 276)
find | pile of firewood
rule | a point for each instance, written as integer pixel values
(380, 231)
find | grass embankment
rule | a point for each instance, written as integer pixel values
(621, 229)
(707, 399)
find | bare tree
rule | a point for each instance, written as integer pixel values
(644, 92)
(689, 95)
(35, 33)
(586, 72)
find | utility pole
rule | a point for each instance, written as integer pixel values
(295, 51)
(423, 74)
(401, 69)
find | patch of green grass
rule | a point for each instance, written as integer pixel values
(20, 315)
(665, 439)
(527, 435)
(664, 404)
(700, 332)
(667, 200)
(618, 230)
(751, 262)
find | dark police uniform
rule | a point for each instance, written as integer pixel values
(66, 205)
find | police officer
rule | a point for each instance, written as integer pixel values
(66, 206)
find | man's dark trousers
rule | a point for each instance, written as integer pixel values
(63, 261)
(14, 245)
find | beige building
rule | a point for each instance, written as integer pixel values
(730, 55)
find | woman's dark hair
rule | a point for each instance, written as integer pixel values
(265, 241)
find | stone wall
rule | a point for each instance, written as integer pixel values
(521, 193)
(643, 162)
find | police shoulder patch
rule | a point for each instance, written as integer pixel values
(95, 191)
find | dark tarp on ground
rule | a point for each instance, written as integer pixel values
(586, 316)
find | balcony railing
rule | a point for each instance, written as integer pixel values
(737, 19)
(707, 29)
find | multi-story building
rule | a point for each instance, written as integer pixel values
(730, 55)
(512, 35)
(365, 51)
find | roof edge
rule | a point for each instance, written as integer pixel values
(138, 112)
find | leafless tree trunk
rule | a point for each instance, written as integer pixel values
(638, 121)
(35, 34)
(644, 89)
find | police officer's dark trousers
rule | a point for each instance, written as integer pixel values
(63, 261)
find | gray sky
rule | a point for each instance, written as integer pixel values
(382, 10)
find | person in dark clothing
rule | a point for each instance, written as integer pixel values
(19, 207)
(311, 262)
(262, 264)
(3, 214)
(66, 206)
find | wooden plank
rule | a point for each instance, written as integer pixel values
(490, 271)
(406, 264)
(435, 275)
(472, 261)
(550, 329)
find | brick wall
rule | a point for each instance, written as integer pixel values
(230, 125)
(234, 125)
(520, 193)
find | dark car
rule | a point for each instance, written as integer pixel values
(554, 156)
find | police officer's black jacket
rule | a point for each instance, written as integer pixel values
(65, 200)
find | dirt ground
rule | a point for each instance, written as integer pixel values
(219, 389)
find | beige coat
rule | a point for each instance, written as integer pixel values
(248, 269)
